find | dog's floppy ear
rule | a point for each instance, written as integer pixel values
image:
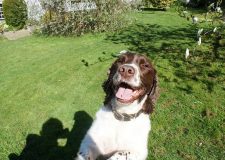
(153, 95)
(108, 83)
(108, 90)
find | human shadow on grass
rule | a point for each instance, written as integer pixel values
(170, 43)
(46, 147)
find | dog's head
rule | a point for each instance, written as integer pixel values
(131, 78)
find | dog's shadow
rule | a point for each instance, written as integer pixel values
(46, 145)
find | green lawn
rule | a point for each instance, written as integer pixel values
(50, 89)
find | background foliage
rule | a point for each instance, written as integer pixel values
(159, 3)
(107, 16)
(202, 3)
(15, 12)
(208, 24)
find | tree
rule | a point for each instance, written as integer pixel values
(210, 26)
(15, 12)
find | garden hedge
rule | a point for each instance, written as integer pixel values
(15, 13)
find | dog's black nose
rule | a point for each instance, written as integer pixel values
(126, 71)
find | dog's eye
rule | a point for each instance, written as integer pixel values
(145, 65)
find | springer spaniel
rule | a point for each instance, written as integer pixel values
(120, 130)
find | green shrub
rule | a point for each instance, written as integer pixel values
(108, 15)
(4, 27)
(160, 3)
(15, 12)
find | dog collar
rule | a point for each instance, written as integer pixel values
(125, 117)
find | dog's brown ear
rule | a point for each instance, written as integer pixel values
(153, 95)
(108, 83)
(108, 90)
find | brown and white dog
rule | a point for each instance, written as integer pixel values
(120, 130)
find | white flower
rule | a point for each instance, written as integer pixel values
(219, 10)
(185, 1)
(194, 19)
(215, 29)
(200, 32)
(185, 12)
(187, 53)
(199, 41)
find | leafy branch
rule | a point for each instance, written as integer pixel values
(209, 25)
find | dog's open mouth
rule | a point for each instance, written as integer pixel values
(127, 94)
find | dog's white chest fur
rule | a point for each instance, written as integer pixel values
(109, 135)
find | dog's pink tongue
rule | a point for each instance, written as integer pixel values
(124, 93)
